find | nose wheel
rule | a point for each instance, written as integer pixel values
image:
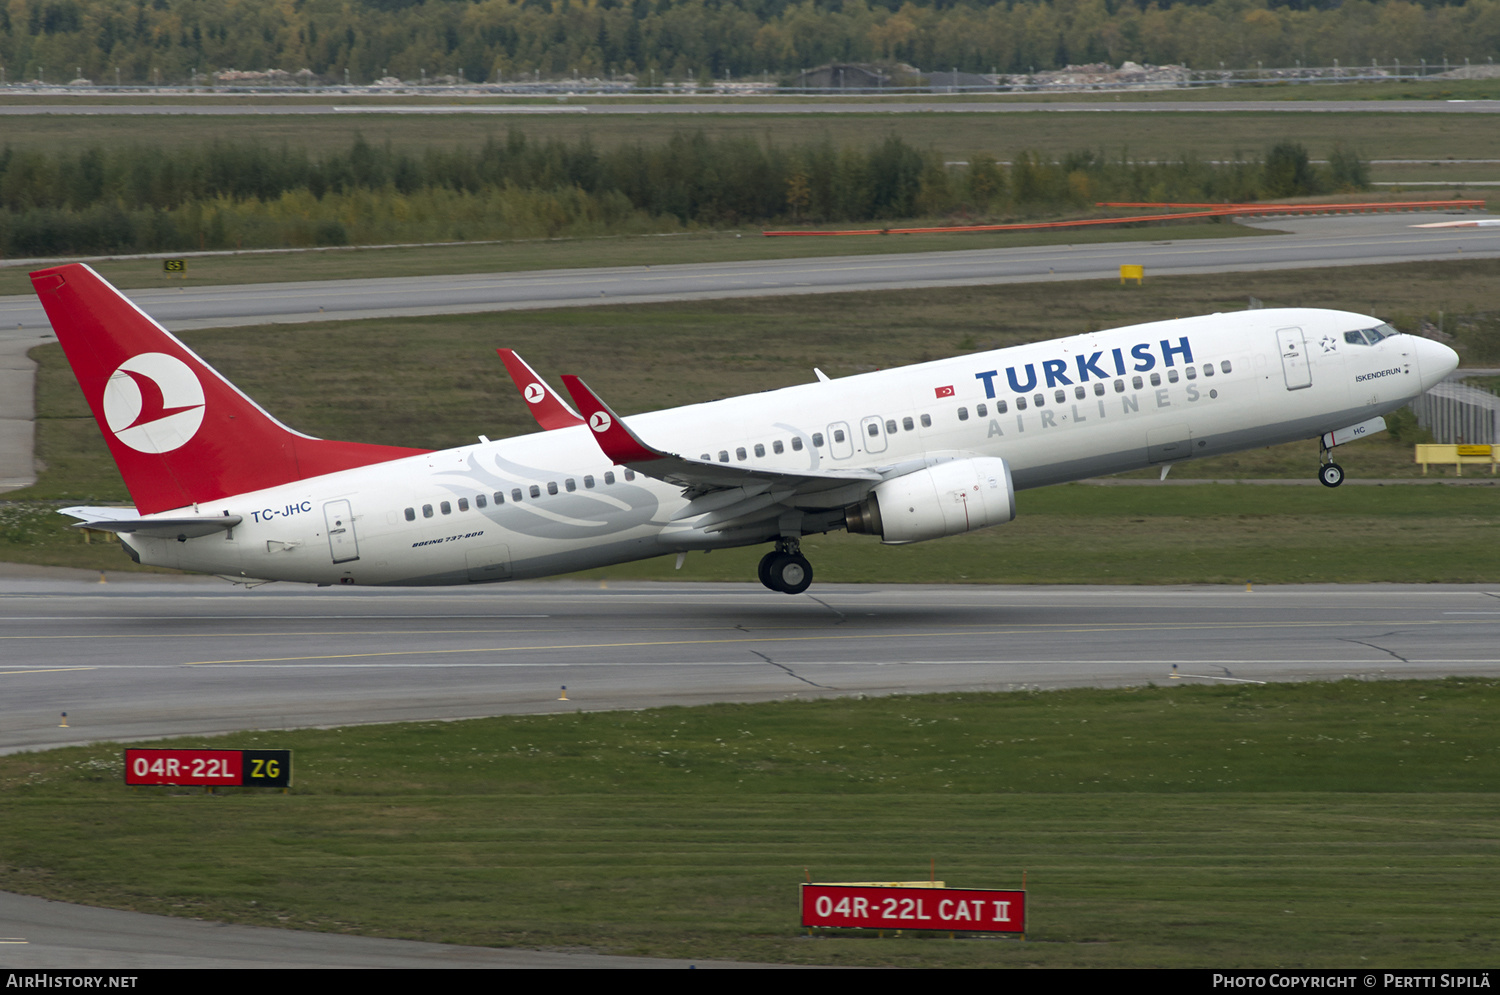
(1331, 474)
(785, 569)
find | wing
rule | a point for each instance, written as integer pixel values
(726, 496)
(549, 410)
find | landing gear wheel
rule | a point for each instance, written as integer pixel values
(763, 571)
(790, 573)
(1331, 474)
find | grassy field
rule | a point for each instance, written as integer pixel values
(1162, 826)
(954, 135)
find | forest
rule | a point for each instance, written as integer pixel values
(173, 41)
(224, 194)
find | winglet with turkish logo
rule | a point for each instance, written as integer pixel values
(620, 445)
(549, 410)
(179, 432)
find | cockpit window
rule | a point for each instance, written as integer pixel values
(1368, 336)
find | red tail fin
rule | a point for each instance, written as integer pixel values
(179, 432)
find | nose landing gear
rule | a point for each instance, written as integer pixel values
(1330, 474)
(785, 569)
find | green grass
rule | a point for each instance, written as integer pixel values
(954, 135)
(1162, 826)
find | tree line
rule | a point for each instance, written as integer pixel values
(226, 194)
(143, 41)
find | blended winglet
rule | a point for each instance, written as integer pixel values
(549, 410)
(619, 444)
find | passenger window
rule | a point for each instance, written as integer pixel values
(818, 439)
(426, 511)
(1172, 376)
(1191, 372)
(1208, 369)
(723, 456)
(777, 447)
(1038, 400)
(908, 424)
(1098, 389)
(760, 450)
(1136, 383)
(411, 514)
(797, 444)
(1224, 366)
(981, 410)
(515, 493)
(1020, 404)
(874, 429)
(480, 501)
(463, 504)
(739, 453)
(1000, 407)
(551, 487)
(1079, 393)
(536, 491)
(1059, 396)
(963, 414)
(1156, 379)
(1119, 386)
(571, 485)
(838, 435)
(445, 507)
(629, 474)
(588, 481)
(609, 477)
(705, 457)
(499, 498)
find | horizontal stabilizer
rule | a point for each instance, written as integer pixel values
(105, 520)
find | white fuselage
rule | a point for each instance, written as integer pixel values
(1055, 411)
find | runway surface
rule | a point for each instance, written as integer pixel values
(142, 657)
(1308, 242)
(259, 104)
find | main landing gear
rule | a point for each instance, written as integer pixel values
(785, 569)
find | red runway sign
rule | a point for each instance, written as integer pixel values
(863, 907)
(251, 768)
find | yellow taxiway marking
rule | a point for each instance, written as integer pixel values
(47, 670)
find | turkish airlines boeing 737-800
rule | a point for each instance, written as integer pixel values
(908, 454)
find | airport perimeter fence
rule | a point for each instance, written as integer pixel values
(827, 81)
(1459, 414)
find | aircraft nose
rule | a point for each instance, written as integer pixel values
(1434, 361)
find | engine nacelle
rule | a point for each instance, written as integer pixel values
(942, 500)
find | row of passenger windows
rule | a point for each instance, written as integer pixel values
(778, 447)
(516, 495)
(1080, 392)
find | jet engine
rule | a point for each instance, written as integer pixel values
(941, 500)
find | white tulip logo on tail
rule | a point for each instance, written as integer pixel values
(534, 393)
(153, 403)
(599, 421)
